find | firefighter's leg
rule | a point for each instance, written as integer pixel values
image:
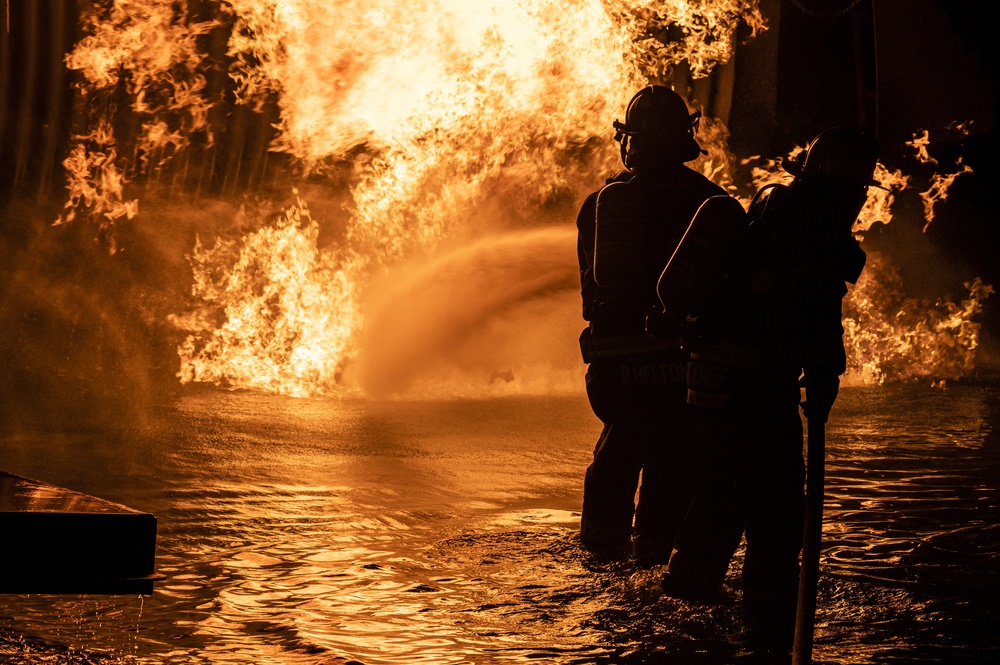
(774, 530)
(713, 527)
(668, 482)
(609, 492)
(611, 479)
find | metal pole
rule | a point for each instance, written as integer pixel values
(805, 616)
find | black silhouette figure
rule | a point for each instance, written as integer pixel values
(635, 381)
(766, 320)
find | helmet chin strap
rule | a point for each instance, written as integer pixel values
(634, 156)
(624, 135)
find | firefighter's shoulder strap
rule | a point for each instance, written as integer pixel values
(620, 176)
(619, 239)
(586, 237)
(762, 196)
(703, 258)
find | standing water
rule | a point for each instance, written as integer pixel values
(342, 530)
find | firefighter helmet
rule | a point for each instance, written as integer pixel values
(658, 119)
(841, 155)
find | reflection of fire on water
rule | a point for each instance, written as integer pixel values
(460, 121)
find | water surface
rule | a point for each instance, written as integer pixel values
(346, 530)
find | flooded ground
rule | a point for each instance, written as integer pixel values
(351, 531)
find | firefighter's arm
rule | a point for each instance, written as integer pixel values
(824, 358)
(822, 383)
(585, 222)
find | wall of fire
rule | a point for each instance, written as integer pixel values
(897, 66)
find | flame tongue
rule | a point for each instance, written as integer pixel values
(289, 310)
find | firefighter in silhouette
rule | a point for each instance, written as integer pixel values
(635, 380)
(769, 322)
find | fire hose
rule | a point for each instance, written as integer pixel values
(805, 614)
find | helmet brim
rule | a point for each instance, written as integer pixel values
(795, 167)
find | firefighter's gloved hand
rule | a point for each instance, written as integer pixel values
(821, 392)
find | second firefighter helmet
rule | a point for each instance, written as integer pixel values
(658, 126)
(841, 155)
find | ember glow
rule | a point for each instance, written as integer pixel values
(463, 126)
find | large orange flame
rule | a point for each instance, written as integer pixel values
(471, 118)
(893, 337)
(288, 308)
(466, 124)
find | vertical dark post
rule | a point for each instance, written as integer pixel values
(5, 84)
(805, 617)
(865, 64)
(24, 136)
(52, 140)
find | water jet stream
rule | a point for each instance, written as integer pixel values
(430, 315)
